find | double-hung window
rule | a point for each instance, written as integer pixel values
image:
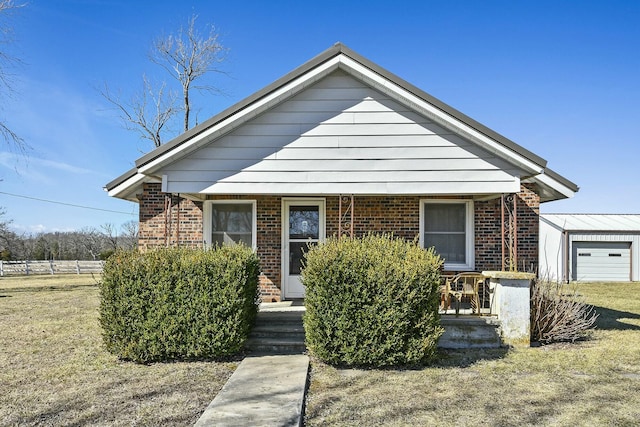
(447, 225)
(230, 222)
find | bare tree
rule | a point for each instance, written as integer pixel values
(148, 112)
(7, 61)
(91, 240)
(110, 234)
(188, 57)
(7, 237)
(129, 234)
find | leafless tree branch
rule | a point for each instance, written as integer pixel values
(188, 56)
(7, 61)
(147, 112)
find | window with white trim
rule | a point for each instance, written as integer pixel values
(229, 222)
(447, 225)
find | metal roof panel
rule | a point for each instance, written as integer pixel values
(595, 222)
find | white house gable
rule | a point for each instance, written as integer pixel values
(340, 136)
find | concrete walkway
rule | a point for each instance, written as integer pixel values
(263, 391)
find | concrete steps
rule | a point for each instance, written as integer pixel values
(466, 331)
(277, 332)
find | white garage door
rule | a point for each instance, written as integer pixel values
(602, 261)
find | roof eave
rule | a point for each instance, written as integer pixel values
(127, 186)
(122, 178)
(554, 186)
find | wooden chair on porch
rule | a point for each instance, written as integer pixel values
(463, 285)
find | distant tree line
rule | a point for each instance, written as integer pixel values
(89, 243)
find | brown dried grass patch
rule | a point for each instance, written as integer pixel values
(586, 383)
(54, 370)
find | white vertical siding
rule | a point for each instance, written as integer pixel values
(341, 136)
(551, 260)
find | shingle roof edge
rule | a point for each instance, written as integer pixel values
(562, 180)
(445, 107)
(122, 178)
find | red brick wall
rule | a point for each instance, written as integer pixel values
(528, 228)
(397, 214)
(168, 220)
(269, 240)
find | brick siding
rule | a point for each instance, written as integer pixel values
(397, 214)
(168, 220)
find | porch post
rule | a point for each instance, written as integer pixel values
(345, 215)
(509, 231)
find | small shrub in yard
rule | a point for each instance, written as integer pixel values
(178, 303)
(372, 301)
(558, 313)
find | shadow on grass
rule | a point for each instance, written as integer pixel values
(464, 358)
(106, 406)
(612, 319)
(445, 358)
(46, 288)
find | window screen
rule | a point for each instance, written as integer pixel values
(445, 229)
(231, 223)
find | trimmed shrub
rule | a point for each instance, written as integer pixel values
(558, 313)
(372, 301)
(178, 303)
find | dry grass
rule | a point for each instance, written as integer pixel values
(46, 281)
(54, 370)
(589, 383)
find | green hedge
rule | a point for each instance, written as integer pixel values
(372, 302)
(178, 303)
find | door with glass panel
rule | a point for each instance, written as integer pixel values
(303, 226)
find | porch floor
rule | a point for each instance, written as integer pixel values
(298, 305)
(289, 305)
(465, 311)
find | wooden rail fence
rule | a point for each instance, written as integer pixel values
(21, 268)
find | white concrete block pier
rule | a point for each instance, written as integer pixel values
(510, 301)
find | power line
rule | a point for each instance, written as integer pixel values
(66, 204)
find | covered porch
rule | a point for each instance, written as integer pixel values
(504, 321)
(487, 309)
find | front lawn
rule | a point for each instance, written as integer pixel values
(594, 382)
(54, 370)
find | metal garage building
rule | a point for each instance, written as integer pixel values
(590, 247)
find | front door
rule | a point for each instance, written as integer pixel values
(303, 226)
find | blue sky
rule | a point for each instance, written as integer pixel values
(561, 78)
